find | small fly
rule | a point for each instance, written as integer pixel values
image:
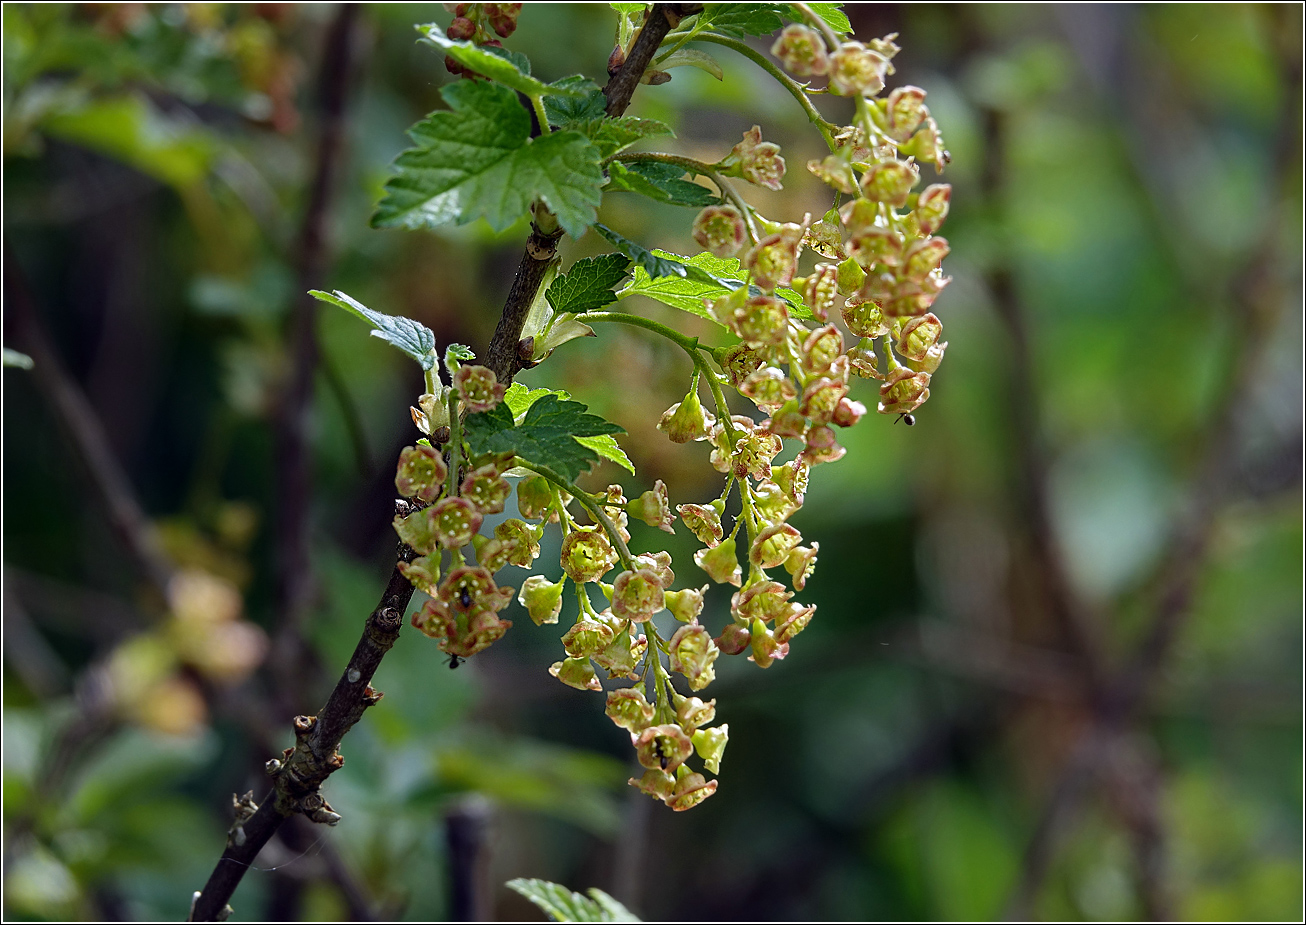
(464, 599)
(908, 419)
(455, 661)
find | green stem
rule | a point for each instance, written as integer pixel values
(591, 505)
(432, 376)
(537, 103)
(795, 89)
(455, 443)
(689, 344)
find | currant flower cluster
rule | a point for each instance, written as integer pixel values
(798, 342)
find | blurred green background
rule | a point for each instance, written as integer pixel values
(1056, 668)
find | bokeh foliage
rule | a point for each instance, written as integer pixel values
(1121, 168)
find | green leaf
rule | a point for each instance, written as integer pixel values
(546, 435)
(741, 19)
(614, 135)
(478, 160)
(708, 277)
(573, 102)
(510, 68)
(628, 9)
(414, 339)
(660, 182)
(588, 284)
(587, 114)
(518, 398)
(23, 361)
(652, 264)
(562, 905)
(832, 13)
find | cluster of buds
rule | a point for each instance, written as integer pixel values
(482, 23)
(800, 341)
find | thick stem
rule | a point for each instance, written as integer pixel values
(504, 355)
(300, 774)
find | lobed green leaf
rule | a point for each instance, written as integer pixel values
(478, 160)
(562, 905)
(510, 68)
(588, 285)
(832, 13)
(546, 435)
(742, 19)
(413, 338)
(659, 182)
(708, 277)
(652, 264)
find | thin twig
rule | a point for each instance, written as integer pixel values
(504, 355)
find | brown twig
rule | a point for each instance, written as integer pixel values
(504, 353)
(299, 775)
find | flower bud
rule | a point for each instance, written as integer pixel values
(856, 70)
(786, 421)
(876, 246)
(927, 146)
(758, 161)
(478, 388)
(692, 654)
(863, 359)
(918, 336)
(637, 595)
(653, 507)
(542, 599)
(454, 522)
(423, 573)
(932, 207)
(761, 321)
(822, 446)
(686, 604)
(771, 504)
(733, 639)
(774, 258)
(710, 744)
(587, 554)
(421, 473)
(691, 712)
(821, 290)
(821, 398)
(761, 600)
(801, 50)
(929, 363)
(486, 489)
(659, 563)
(792, 479)
(586, 638)
(826, 238)
(686, 420)
(865, 320)
(691, 789)
(739, 361)
(502, 17)
(703, 521)
(906, 109)
(834, 170)
(721, 563)
(822, 347)
(766, 649)
(923, 257)
(621, 655)
(890, 182)
(904, 391)
(534, 497)
(768, 388)
(849, 276)
(800, 564)
(771, 546)
(418, 530)
(471, 589)
(461, 29)
(577, 673)
(656, 783)
(794, 622)
(721, 230)
(848, 413)
(662, 748)
(628, 708)
(433, 619)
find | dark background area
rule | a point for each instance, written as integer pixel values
(1056, 666)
